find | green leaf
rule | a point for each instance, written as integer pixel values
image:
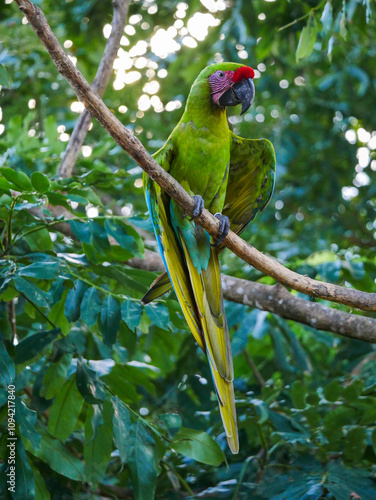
(199, 446)
(280, 352)
(40, 182)
(171, 422)
(72, 308)
(352, 391)
(355, 444)
(116, 254)
(90, 306)
(122, 425)
(81, 230)
(57, 290)
(110, 319)
(26, 420)
(5, 78)
(6, 186)
(90, 252)
(138, 375)
(7, 369)
(57, 316)
(99, 237)
(141, 461)
(58, 457)
(307, 39)
(55, 375)
(32, 291)
(327, 19)
(97, 449)
(77, 198)
(333, 390)
(65, 410)
(158, 314)
(301, 359)
(131, 313)
(88, 384)
(121, 386)
(41, 491)
(25, 489)
(342, 26)
(142, 223)
(59, 199)
(34, 344)
(96, 419)
(240, 338)
(39, 239)
(18, 178)
(139, 281)
(298, 395)
(41, 270)
(125, 235)
(343, 482)
(336, 419)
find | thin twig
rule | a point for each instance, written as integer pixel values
(255, 370)
(99, 86)
(130, 144)
(38, 310)
(12, 318)
(302, 17)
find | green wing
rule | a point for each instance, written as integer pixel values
(172, 255)
(251, 180)
(249, 189)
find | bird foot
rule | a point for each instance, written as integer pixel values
(223, 229)
(199, 206)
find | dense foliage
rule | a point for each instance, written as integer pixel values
(113, 399)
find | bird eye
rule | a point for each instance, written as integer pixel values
(221, 74)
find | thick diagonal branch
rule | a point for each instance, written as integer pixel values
(99, 86)
(127, 141)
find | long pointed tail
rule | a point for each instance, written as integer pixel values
(208, 295)
(226, 399)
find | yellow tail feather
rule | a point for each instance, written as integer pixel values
(226, 398)
(218, 347)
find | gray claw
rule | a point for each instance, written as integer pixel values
(223, 229)
(199, 206)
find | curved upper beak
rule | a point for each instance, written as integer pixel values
(242, 92)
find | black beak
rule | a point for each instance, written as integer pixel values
(242, 92)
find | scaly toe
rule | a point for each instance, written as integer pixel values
(223, 229)
(199, 206)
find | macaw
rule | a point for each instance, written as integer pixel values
(234, 179)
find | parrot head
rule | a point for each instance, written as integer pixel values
(231, 84)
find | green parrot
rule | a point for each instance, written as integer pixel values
(234, 178)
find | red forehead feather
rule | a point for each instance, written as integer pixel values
(242, 73)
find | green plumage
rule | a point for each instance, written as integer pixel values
(234, 176)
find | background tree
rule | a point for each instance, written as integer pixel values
(114, 396)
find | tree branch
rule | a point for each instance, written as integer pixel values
(130, 144)
(276, 299)
(99, 85)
